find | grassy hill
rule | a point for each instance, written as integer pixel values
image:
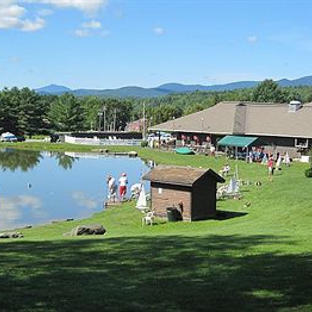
(255, 258)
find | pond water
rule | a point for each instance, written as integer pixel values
(41, 187)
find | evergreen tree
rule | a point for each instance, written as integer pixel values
(268, 91)
(66, 113)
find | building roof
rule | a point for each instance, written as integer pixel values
(176, 175)
(245, 118)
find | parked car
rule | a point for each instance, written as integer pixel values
(8, 137)
(20, 138)
(163, 136)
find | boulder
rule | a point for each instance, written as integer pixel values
(91, 229)
(11, 235)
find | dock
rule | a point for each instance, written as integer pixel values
(109, 204)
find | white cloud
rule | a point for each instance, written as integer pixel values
(87, 6)
(159, 30)
(252, 39)
(82, 33)
(91, 28)
(92, 24)
(28, 25)
(13, 13)
(12, 16)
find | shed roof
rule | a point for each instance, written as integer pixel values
(175, 175)
(239, 141)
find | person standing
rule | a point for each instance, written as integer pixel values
(270, 166)
(123, 181)
(112, 188)
(278, 162)
(287, 159)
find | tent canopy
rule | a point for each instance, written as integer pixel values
(239, 141)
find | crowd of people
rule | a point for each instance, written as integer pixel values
(273, 162)
(117, 190)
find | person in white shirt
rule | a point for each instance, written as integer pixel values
(135, 190)
(123, 181)
(112, 188)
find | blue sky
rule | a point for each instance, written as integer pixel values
(105, 44)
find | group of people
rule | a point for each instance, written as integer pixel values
(112, 187)
(121, 186)
(275, 164)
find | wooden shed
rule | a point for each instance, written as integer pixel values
(192, 188)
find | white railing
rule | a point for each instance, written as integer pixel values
(97, 141)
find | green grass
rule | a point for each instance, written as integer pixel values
(257, 259)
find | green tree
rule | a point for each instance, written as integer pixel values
(66, 113)
(91, 106)
(30, 112)
(268, 91)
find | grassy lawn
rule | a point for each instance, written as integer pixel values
(257, 259)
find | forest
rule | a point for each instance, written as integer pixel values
(24, 112)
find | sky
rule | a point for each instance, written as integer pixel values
(108, 44)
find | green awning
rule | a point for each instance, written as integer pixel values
(239, 141)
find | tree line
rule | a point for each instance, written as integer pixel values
(24, 112)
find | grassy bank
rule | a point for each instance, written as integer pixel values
(255, 258)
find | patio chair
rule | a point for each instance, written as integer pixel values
(148, 219)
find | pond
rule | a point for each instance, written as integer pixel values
(41, 187)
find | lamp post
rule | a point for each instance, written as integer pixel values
(99, 127)
(144, 123)
(104, 118)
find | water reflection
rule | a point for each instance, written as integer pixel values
(11, 159)
(40, 187)
(65, 161)
(82, 200)
(11, 209)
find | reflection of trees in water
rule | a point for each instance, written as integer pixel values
(14, 159)
(65, 161)
(25, 160)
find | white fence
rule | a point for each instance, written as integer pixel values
(97, 141)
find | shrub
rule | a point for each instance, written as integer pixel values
(144, 144)
(308, 173)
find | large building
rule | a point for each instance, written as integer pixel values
(277, 125)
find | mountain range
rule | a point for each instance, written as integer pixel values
(166, 89)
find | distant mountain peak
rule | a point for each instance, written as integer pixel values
(167, 88)
(53, 89)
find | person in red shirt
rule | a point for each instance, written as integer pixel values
(270, 166)
(123, 181)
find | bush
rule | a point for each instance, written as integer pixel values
(144, 144)
(308, 173)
